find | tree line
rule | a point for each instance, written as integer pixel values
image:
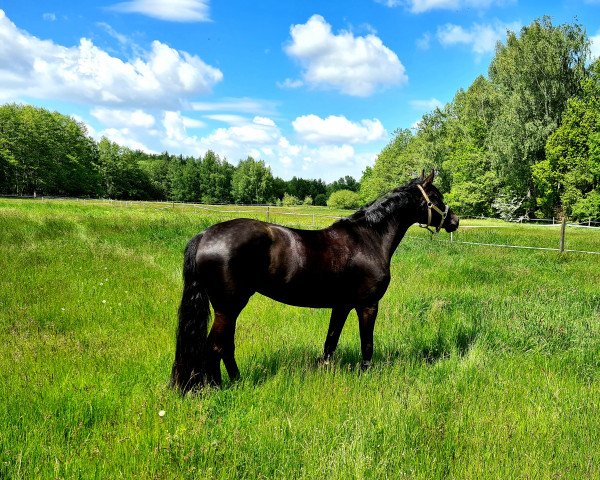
(47, 153)
(525, 140)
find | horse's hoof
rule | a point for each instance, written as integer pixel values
(324, 361)
(365, 365)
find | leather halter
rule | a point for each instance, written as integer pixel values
(431, 206)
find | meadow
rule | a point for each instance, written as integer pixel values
(486, 363)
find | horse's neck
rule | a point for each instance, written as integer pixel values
(393, 234)
(392, 228)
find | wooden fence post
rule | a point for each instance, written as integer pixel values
(267, 213)
(562, 234)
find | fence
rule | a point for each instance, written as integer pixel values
(462, 237)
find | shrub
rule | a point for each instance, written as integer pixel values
(289, 200)
(321, 200)
(344, 199)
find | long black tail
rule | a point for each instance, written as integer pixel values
(189, 367)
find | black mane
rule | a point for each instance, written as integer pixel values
(385, 206)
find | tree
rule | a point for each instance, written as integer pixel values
(121, 175)
(569, 177)
(471, 181)
(252, 182)
(394, 166)
(46, 152)
(215, 178)
(535, 74)
(344, 183)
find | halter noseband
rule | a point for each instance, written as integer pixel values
(431, 206)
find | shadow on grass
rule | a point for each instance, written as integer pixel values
(304, 359)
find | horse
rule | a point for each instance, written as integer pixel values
(343, 267)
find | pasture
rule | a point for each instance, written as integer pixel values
(486, 363)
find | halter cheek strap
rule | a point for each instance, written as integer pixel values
(431, 206)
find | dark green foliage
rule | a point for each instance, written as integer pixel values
(570, 174)
(502, 137)
(43, 152)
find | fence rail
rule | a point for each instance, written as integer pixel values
(268, 212)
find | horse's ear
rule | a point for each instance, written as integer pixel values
(430, 177)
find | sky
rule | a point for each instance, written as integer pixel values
(314, 88)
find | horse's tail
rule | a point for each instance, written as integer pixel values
(189, 367)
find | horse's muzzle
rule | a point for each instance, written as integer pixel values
(451, 223)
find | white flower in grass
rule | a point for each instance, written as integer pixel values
(103, 301)
(161, 413)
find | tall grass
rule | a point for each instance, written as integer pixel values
(486, 365)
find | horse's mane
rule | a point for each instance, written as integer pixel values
(375, 212)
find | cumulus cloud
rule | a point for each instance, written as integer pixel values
(595, 46)
(173, 10)
(480, 38)
(422, 6)
(239, 105)
(352, 65)
(124, 137)
(429, 104)
(337, 129)
(85, 73)
(114, 117)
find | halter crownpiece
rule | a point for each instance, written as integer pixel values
(430, 206)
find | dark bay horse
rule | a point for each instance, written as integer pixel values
(343, 267)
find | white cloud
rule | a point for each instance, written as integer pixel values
(243, 105)
(423, 42)
(290, 83)
(429, 104)
(337, 129)
(125, 138)
(595, 46)
(85, 73)
(355, 66)
(421, 6)
(114, 117)
(227, 118)
(173, 10)
(267, 122)
(481, 38)
(49, 17)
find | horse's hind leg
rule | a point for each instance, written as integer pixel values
(222, 346)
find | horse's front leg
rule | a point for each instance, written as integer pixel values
(336, 324)
(366, 323)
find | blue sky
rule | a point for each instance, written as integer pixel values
(315, 89)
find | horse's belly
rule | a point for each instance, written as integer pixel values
(315, 293)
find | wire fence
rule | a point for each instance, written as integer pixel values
(583, 238)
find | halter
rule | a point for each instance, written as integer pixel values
(430, 206)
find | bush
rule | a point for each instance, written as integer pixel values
(344, 199)
(289, 200)
(587, 207)
(308, 200)
(321, 200)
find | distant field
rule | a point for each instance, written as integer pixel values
(486, 364)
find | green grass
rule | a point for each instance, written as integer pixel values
(486, 365)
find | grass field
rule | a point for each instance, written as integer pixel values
(486, 364)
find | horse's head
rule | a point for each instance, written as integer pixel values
(434, 213)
